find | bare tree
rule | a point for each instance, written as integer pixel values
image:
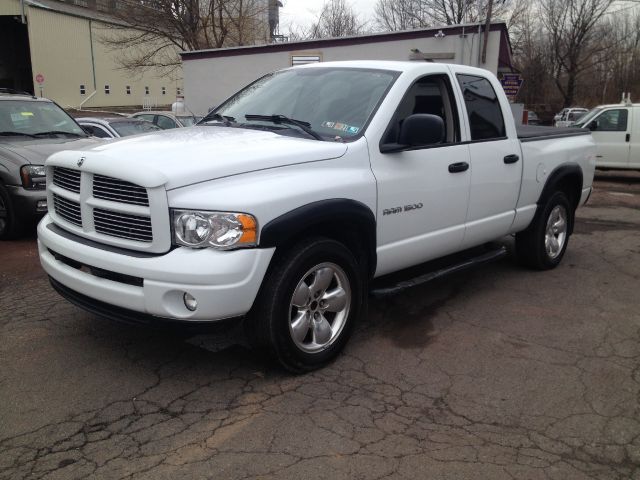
(397, 15)
(149, 33)
(408, 14)
(575, 39)
(336, 19)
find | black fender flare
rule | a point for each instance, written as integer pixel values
(281, 230)
(557, 177)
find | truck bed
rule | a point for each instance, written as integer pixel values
(532, 133)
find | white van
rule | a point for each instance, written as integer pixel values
(616, 131)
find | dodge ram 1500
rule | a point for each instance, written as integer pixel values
(283, 204)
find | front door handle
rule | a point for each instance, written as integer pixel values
(511, 159)
(458, 167)
(628, 137)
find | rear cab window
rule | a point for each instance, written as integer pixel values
(483, 108)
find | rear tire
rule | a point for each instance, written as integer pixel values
(543, 244)
(310, 301)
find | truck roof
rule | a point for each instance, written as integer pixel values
(622, 104)
(398, 66)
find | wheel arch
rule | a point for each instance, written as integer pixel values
(567, 178)
(348, 221)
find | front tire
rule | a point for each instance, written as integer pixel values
(8, 223)
(309, 304)
(543, 244)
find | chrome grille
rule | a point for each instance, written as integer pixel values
(67, 179)
(67, 209)
(108, 188)
(122, 225)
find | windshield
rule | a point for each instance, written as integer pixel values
(189, 121)
(32, 118)
(588, 117)
(127, 128)
(336, 102)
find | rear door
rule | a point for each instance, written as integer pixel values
(611, 131)
(496, 166)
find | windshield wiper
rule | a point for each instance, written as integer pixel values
(17, 134)
(226, 120)
(281, 119)
(57, 132)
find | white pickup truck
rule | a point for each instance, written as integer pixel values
(283, 203)
(616, 131)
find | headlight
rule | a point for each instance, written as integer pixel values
(223, 230)
(33, 177)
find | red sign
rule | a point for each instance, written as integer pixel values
(40, 78)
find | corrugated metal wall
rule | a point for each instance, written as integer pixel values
(61, 51)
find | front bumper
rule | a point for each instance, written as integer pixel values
(225, 284)
(25, 202)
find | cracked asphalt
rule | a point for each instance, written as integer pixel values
(495, 373)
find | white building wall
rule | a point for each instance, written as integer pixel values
(210, 81)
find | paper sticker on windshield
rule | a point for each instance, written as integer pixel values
(26, 114)
(341, 127)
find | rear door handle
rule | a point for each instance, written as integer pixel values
(458, 167)
(628, 137)
(511, 159)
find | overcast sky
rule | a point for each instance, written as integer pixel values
(303, 12)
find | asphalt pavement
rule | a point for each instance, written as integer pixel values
(494, 373)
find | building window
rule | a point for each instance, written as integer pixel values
(128, 88)
(304, 59)
(178, 91)
(107, 90)
(146, 90)
(164, 91)
(83, 90)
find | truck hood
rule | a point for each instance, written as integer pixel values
(184, 156)
(36, 151)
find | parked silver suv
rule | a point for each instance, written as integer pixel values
(31, 129)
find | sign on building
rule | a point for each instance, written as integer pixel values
(511, 83)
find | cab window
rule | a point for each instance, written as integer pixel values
(165, 122)
(96, 131)
(432, 95)
(611, 121)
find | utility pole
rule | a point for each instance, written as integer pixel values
(487, 26)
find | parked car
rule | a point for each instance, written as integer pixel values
(616, 131)
(168, 120)
(570, 116)
(282, 208)
(116, 127)
(532, 118)
(31, 129)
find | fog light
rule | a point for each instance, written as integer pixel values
(41, 206)
(190, 302)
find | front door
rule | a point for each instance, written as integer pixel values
(422, 199)
(611, 130)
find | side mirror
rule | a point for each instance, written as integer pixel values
(421, 129)
(593, 125)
